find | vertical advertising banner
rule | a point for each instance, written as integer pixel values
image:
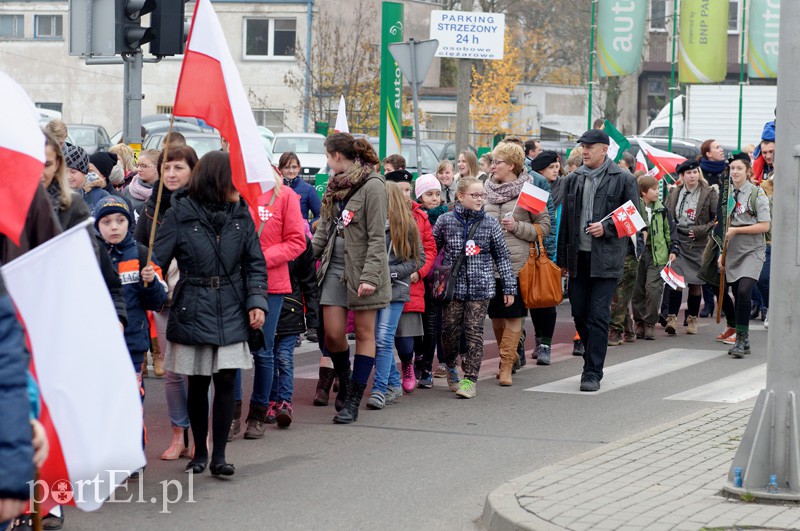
(621, 26)
(762, 49)
(391, 80)
(703, 41)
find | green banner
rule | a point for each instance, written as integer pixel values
(762, 48)
(703, 41)
(391, 80)
(620, 36)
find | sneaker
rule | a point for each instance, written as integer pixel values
(766, 323)
(764, 313)
(590, 386)
(638, 329)
(467, 389)
(425, 380)
(672, 325)
(728, 332)
(649, 332)
(730, 340)
(629, 336)
(440, 372)
(284, 414)
(351, 336)
(577, 348)
(453, 379)
(376, 400)
(614, 338)
(409, 381)
(311, 335)
(299, 342)
(393, 395)
(544, 355)
(272, 411)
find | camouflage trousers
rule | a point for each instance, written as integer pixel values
(620, 303)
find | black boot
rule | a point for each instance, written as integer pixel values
(742, 346)
(521, 350)
(344, 387)
(326, 375)
(236, 425)
(349, 412)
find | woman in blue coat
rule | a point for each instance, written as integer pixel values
(289, 165)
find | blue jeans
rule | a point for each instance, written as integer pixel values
(175, 391)
(385, 327)
(763, 279)
(264, 359)
(283, 380)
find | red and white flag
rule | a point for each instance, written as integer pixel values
(93, 418)
(532, 198)
(210, 88)
(341, 118)
(672, 278)
(21, 156)
(627, 220)
(665, 161)
(641, 162)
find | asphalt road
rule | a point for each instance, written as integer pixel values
(429, 461)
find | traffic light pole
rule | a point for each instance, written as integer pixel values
(132, 102)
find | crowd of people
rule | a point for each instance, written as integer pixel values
(393, 262)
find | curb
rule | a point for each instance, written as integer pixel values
(502, 511)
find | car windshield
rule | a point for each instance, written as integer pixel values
(82, 136)
(203, 145)
(429, 160)
(299, 144)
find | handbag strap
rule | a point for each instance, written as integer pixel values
(542, 250)
(463, 254)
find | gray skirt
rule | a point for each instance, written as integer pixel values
(690, 259)
(205, 360)
(333, 291)
(745, 257)
(410, 325)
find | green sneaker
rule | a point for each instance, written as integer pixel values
(467, 389)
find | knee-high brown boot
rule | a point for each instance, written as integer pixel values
(508, 355)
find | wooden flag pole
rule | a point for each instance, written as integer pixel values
(160, 191)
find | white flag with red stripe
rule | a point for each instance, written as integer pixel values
(532, 198)
(641, 162)
(210, 88)
(341, 118)
(672, 278)
(627, 220)
(665, 161)
(21, 156)
(91, 407)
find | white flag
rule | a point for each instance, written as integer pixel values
(341, 118)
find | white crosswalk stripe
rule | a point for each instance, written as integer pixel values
(634, 371)
(730, 390)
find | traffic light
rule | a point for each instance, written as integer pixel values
(130, 35)
(167, 23)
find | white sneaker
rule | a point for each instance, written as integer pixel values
(766, 323)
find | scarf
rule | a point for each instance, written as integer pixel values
(713, 166)
(594, 175)
(54, 196)
(141, 191)
(343, 183)
(500, 193)
(216, 214)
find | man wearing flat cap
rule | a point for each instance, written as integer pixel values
(590, 250)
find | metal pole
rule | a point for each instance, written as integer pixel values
(463, 95)
(415, 83)
(672, 70)
(308, 66)
(741, 73)
(771, 442)
(591, 61)
(132, 103)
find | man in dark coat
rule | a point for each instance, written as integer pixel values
(590, 250)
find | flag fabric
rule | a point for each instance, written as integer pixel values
(618, 143)
(672, 278)
(341, 118)
(665, 161)
(532, 198)
(641, 162)
(210, 88)
(653, 172)
(93, 419)
(21, 156)
(627, 220)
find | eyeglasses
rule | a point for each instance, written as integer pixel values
(476, 196)
(496, 162)
(141, 165)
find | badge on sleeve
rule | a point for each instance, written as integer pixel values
(265, 212)
(472, 248)
(347, 217)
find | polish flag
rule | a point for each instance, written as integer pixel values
(672, 278)
(665, 161)
(21, 156)
(91, 408)
(627, 220)
(341, 118)
(210, 88)
(532, 198)
(641, 162)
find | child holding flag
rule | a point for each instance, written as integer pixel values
(660, 248)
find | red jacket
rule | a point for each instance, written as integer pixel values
(417, 302)
(283, 237)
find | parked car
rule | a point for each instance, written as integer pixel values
(201, 142)
(446, 149)
(92, 138)
(162, 127)
(685, 147)
(310, 149)
(409, 152)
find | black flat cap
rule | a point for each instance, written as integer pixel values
(687, 165)
(594, 136)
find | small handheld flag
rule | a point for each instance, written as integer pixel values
(532, 198)
(627, 220)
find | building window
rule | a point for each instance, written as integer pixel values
(272, 119)
(658, 15)
(163, 109)
(48, 27)
(12, 26)
(269, 37)
(733, 17)
(50, 105)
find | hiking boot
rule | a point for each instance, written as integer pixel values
(376, 400)
(467, 389)
(349, 412)
(742, 345)
(727, 333)
(425, 380)
(544, 355)
(284, 414)
(236, 424)
(614, 338)
(393, 395)
(322, 394)
(672, 325)
(272, 412)
(440, 372)
(649, 332)
(409, 380)
(638, 329)
(453, 379)
(577, 348)
(629, 336)
(256, 422)
(691, 327)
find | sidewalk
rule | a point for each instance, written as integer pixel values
(669, 477)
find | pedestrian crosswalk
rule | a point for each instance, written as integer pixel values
(729, 390)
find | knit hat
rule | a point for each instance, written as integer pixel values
(111, 205)
(543, 160)
(399, 176)
(104, 162)
(75, 157)
(426, 182)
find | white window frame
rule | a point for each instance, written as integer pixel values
(260, 114)
(270, 40)
(667, 11)
(738, 17)
(20, 18)
(38, 36)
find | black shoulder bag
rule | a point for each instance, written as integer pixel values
(443, 277)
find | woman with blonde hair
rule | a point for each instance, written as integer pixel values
(67, 204)
(125, 154)
(467, 165)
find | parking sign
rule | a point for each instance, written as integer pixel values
(468, 35)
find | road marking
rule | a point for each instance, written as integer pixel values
(634, 371)
(730, 390)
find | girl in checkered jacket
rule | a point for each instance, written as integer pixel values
(484, 249)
